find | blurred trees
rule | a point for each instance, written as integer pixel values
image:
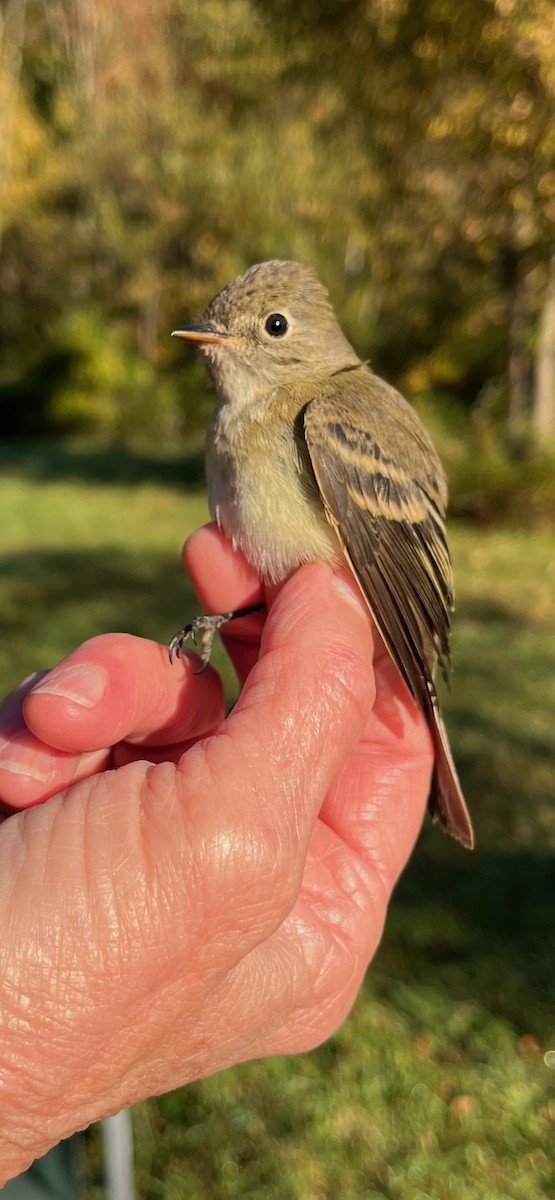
(153, 148)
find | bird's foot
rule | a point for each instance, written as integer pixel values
(202, 631)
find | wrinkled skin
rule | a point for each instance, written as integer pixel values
(185, 890)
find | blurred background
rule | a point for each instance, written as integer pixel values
(149, 151)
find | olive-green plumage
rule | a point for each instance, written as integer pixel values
(310, 455)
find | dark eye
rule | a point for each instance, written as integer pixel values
(276, 325)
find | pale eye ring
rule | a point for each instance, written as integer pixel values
(276, 325)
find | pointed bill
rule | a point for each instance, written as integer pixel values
(207, 335)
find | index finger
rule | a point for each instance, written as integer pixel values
(224, 581)
(118, 687)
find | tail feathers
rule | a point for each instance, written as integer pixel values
(446, 801)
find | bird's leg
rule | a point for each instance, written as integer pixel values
(207, 627)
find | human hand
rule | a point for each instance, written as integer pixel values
(164, 919)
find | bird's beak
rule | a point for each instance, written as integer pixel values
(207, 335)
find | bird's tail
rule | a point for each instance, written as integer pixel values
(446, 801)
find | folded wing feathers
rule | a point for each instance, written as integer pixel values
(394, 537)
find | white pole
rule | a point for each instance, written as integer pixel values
(117, 1137)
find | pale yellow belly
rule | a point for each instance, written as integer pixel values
(258, 498)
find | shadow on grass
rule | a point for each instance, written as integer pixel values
(44, 462)
(487, 611)
(51, 601)
(501, 713)
(477, 929)
(506, 774)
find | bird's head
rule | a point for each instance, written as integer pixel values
(272, 326)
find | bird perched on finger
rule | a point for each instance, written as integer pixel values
(312, 456)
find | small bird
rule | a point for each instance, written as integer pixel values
(312, 456)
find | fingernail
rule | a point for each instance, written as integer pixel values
(84, 684)
(349, 590)
(19, 760)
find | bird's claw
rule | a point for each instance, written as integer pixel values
(201, 631)
(207, 627)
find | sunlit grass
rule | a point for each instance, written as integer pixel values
(437, 1086)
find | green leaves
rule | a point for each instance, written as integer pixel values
(157, 149)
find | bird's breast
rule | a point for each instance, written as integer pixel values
(261, 492)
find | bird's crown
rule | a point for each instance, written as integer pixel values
(272, 285)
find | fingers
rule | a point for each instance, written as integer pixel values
(225, 581)
(379, 799)
(29, 770)
(223, 578)
(301, 712)
(377, 802)
(117, 687)
(60, 728)
(207, 914)
(118, 690)
(367, 828)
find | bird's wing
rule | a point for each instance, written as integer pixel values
(392, 533)
(389, 520)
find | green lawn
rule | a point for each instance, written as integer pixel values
(437, 1086)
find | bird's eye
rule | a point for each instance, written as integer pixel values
(276, 325)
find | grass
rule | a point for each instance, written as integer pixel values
(437, 1086)
(91, 541)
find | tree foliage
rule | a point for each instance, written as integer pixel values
(154, 148)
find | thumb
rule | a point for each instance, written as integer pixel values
(300, 714)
